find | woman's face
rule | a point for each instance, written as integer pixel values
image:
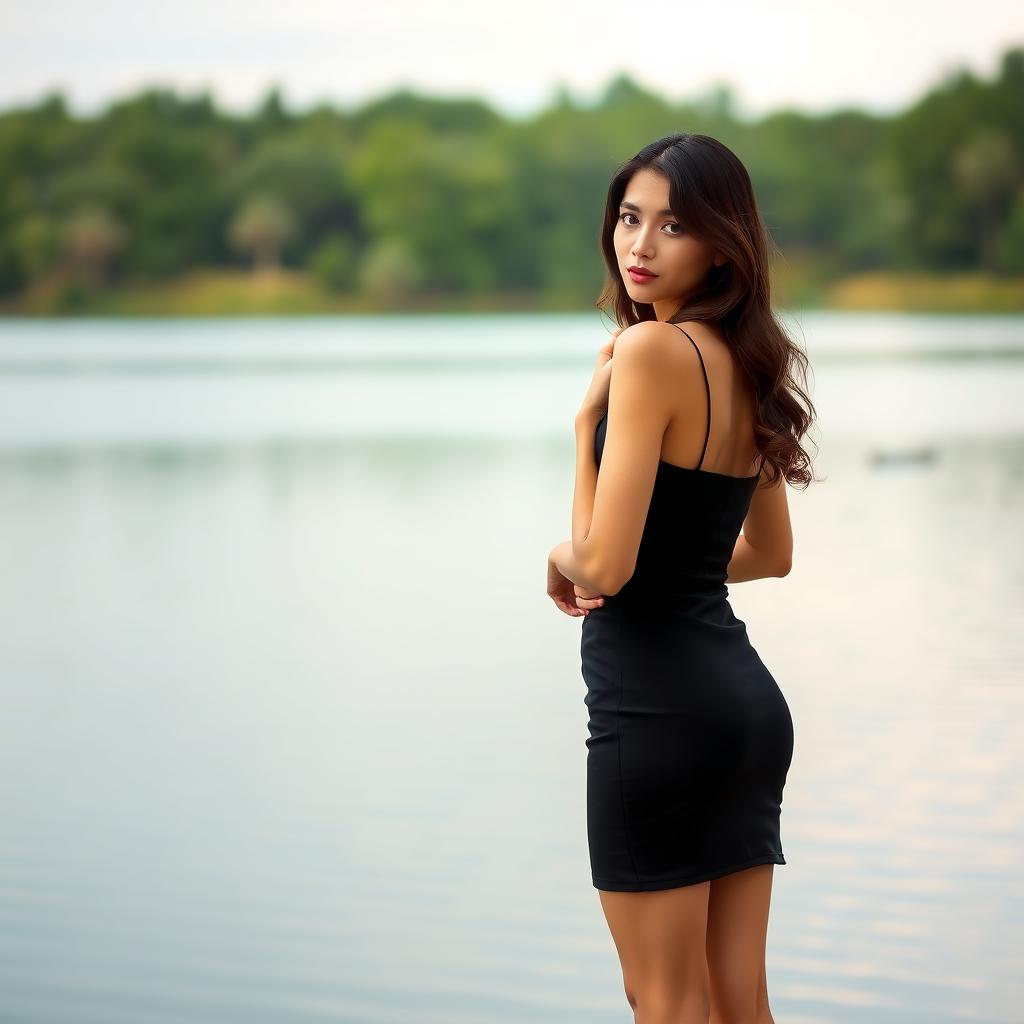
(648, 235)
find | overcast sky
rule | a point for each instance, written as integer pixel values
(874, 54)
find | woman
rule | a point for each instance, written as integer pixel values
(687, 441)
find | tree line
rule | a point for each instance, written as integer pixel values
(410, 194)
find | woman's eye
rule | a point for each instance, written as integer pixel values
(671, 224)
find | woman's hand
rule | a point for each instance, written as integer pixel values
(560, 590)
(587, 599)
(572, 599)
(595, 401)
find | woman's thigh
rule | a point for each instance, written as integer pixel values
(736, 938)
(660, 937)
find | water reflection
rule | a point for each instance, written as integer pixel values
(291, 732)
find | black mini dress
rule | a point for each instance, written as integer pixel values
(690, 737)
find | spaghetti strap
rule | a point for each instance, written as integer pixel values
(707, 386)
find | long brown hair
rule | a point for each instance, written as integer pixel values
(711, 196)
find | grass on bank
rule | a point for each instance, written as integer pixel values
(228, 292)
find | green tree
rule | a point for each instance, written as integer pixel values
(391, 272)
(1009, 245)
(260, 229)
(987, 170)
(91, 238)
(334, 264)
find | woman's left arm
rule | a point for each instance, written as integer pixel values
(586, 474)
(563, 554)
(609, 514)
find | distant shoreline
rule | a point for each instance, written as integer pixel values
(219, 292)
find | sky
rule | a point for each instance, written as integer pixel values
(878, 55)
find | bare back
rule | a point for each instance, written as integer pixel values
(731, 449)
(727, 440)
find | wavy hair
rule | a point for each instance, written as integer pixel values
(711, 195)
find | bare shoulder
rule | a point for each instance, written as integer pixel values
(706, 335)
(658, 352)
(648, 347)
(647, 334)
(657, 343)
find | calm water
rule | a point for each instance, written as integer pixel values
(291, 732)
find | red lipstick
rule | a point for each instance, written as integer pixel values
(641, 274)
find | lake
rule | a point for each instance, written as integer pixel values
(291, 731)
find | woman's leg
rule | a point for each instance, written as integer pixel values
(660, 937)
(736, 938)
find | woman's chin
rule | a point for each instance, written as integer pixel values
(642, 293)
(633, 288)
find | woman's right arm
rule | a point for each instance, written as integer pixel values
(765, 547)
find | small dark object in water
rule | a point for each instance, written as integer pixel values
(910, 457)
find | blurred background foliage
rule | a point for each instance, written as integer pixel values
(165, 204)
